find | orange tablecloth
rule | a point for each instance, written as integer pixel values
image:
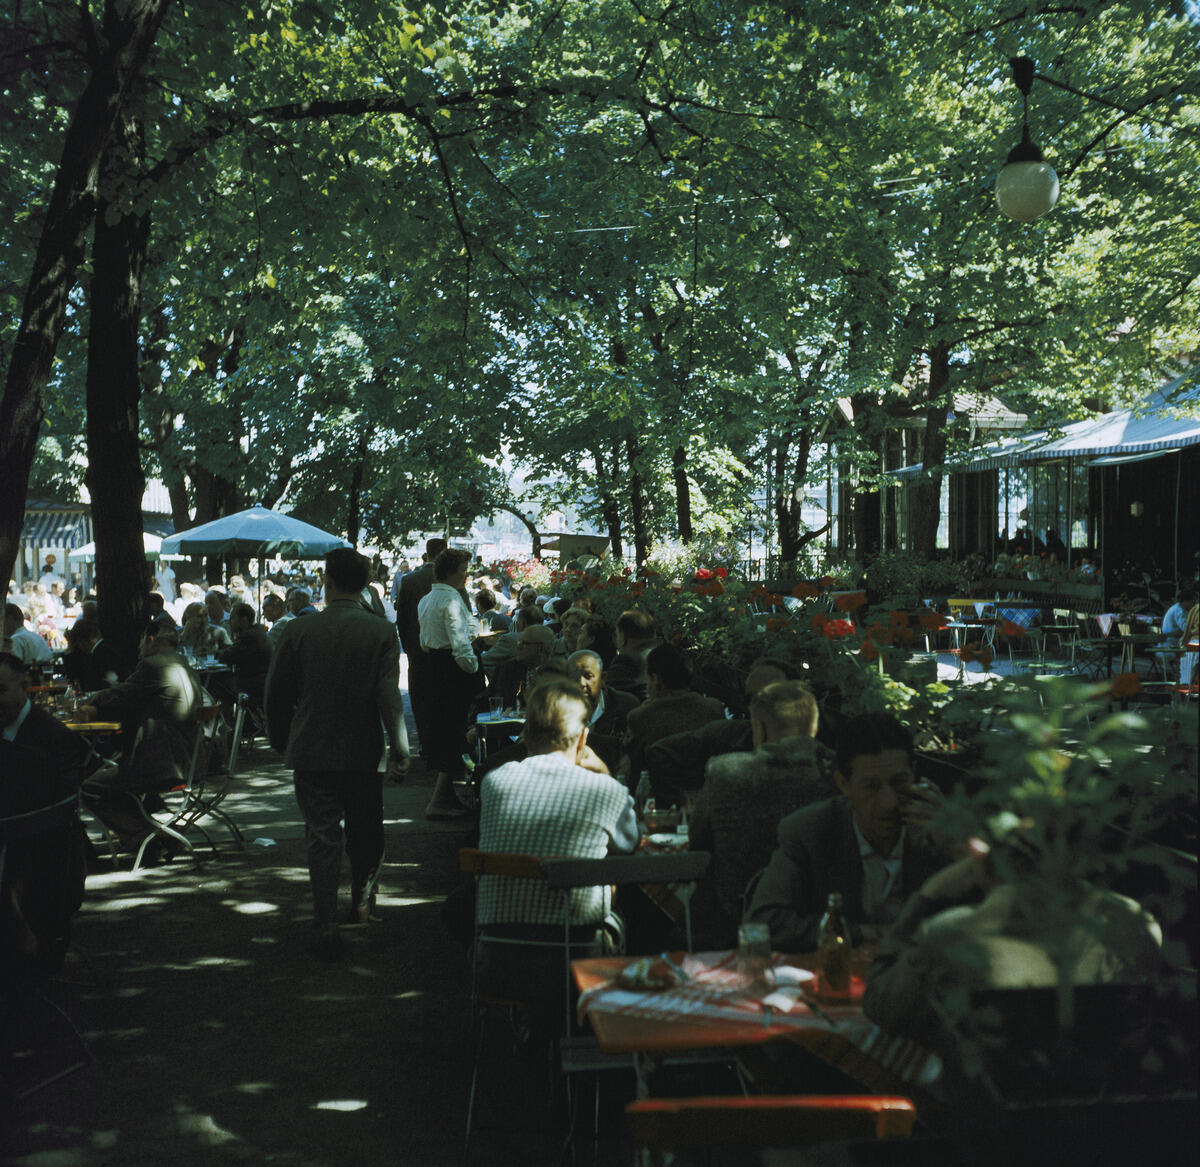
(674, 1020)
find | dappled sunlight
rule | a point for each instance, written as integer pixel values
(340, 1104)
(255, 1088)
(202, 1127)
(251, 908)
(408, 995)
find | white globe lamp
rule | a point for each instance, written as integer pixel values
(1027, 187)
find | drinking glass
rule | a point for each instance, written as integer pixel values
(754, 950)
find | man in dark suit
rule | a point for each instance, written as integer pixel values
(635, 638)
(413, 588)
(41, 886)
(249, 655)
(332, 700)
(869, 844)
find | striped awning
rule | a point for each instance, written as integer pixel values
(55, 524)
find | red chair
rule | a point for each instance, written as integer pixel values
(785, 1120)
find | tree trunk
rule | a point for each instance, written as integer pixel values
(683, 495)
(69, 217)
(637, 502)
(933, 454)
(534, 535)
(610, 508)
(354, 505)
(114, 475)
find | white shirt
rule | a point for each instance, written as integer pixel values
(446, 623)
(166, 582)
(30, 647)
(881, 873)
(11, 730)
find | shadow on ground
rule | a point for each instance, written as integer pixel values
(218, 1038)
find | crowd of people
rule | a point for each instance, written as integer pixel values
(611, 718)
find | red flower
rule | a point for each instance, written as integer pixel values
(932, 620)
(703, 573)
(899, 619)
(774, 624)
(1013, 630)
(869, 651)
(722, 572)
(826, 581)
(837, 629)
(804, 591)
(818, 622)
(849, 601)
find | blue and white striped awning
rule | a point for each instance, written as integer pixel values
(55, 524)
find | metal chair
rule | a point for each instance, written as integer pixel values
(666, 1125)
(211, 772)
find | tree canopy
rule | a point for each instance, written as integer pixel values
(352, 255)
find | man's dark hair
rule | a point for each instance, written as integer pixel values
(667, 663)
(244, 611)
(434, 548)
(486, 599)
(83, 632)
(155, 602)
(636, 624)
(528, 617)
(870, 733)
(1186, 597)
(450, 562)
(559, 606)
(14, 611)
(15, 663)
(603, 642)
(346, 569)
(164, 632)
(554, 717)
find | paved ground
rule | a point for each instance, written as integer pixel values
(218, 1038)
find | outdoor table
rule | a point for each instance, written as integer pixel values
(1021, 615)
(1107, 619)
(718, 1009)
(1130, 642)
(959, 628)
(490, 727)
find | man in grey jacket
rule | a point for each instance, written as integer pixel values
(332, 698)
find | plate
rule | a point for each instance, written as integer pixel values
(667, 839)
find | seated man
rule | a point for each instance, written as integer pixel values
(549, 805)
(19, 641)
(41, 763)
(869, 844)
(635, 638)
(275, 610)
(489, 613)
(746, 795)
(609, 707)
(157, 707)
(249, 655)
(677, 763)
(90, 664)
(671, 706)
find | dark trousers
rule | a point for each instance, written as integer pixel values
(422, 697)
(327, 798)
(452, 692)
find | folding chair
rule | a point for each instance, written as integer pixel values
(682, 870)
(211, 771)
(486, 1003)
(663, 1126)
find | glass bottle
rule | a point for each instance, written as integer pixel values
(833, 951)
